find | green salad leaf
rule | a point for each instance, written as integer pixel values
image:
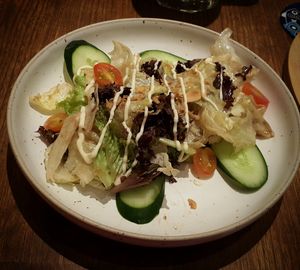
(76, 99)
(108, 162)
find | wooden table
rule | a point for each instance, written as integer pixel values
(34, 236)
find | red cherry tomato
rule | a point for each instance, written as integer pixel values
(106, 74)
(204, 163)
(55, 121)
(250, 90)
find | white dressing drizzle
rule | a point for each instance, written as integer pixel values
(209, 60)
(184, 149)
(141, 131)
(175, 113)
(128, 172)
(82, 117)
(90, 88)
(88, 157)
(221, 85)
(79, 71)
(203, 90)
(212, 103)
(184, 67)
(125, 157)
(167, 84)
(156, 65)
(186, 109)
(83, 67)
(87, 91)
(126, 112)
(174, 74)
(146, 109)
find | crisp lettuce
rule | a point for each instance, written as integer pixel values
(76, 99)
(108, 163)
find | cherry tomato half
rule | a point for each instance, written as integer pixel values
(106, 74)
(204, 163)
(250, 90)
(55, 121)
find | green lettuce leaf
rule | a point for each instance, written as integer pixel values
(76, 99)
(108, 162)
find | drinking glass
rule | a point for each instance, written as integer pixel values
(190, 6)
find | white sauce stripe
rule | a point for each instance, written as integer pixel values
(134, 163)
(126, 112)
(203, 90)
(125, 157)
(82, 117)
(174, 72)
(88, 157)
(221, 85)
(175, 112)
(186, 109)
(90, 88)
(202, 84)
(79, 71)
(141, 131)
(146, 109)
(182, 147)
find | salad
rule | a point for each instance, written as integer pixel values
(125, 121)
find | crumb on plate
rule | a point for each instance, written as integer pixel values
(192, 203)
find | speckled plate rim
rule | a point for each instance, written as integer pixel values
(135, 238)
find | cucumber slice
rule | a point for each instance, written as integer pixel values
(141, 204)
(247, 167)
(160, 55)
(79, 53)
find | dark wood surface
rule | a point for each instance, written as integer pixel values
(34, 236)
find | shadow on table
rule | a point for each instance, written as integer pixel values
(286, 78)
(94, 252)
(150, 8)
(239, 2)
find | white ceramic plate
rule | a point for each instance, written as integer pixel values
(221, 210)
